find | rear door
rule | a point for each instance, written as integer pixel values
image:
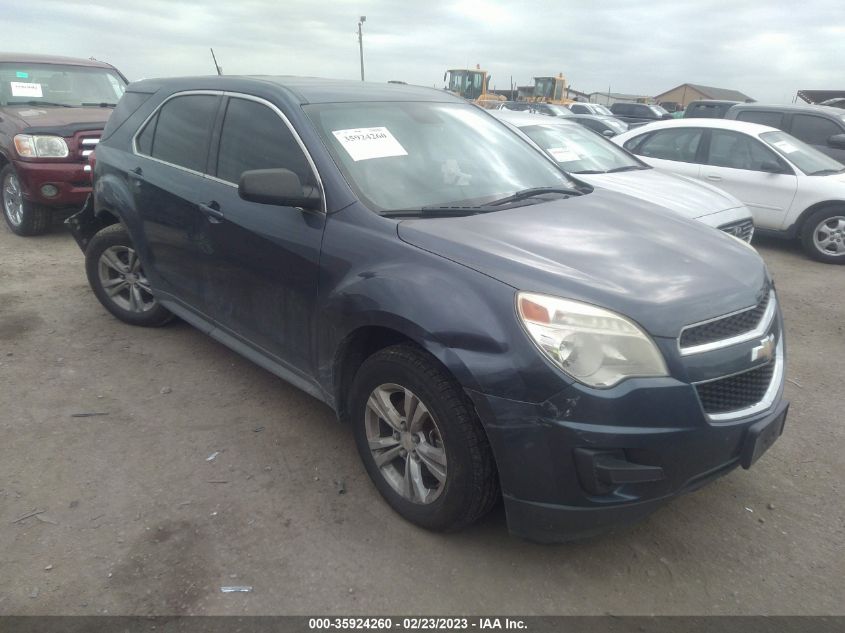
(816, 130)
(171, 153)
(262, 282)
(674, 150)
(741, 165)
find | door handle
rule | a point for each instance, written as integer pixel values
(212, 212)
(713, 177)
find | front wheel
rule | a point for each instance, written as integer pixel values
(421, 441)
(117, 278)
(823, 237)
(23, 217)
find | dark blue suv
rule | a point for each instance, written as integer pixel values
(489, 326)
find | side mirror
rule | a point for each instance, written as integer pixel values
(771, 167)
(278, 186)
(837, 140)
(609, 133)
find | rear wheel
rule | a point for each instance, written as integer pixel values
(22, 216)
(421, 441)
(823, 236)
(118, 280)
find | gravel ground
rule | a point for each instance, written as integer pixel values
(138, 518)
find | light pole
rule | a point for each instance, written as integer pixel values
(361, 43)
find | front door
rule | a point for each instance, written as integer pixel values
(263, 283)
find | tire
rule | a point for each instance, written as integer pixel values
(449, 493)
(823, 235)
(23, 217)
(117, 279)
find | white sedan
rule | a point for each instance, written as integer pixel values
(791, 189)
(592, 158)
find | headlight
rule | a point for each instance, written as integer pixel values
(30, 146)
(593, 345)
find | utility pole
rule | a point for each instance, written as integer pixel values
(361, 43)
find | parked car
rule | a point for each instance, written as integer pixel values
(52, 111)
(537, 107)
(603, 164)
(635, 114)
(489, 326)
(708, 109)
(836, 102)
(793, 190)
(598, 109)
(822, 127)
(604, 125)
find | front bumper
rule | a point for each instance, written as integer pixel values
(70, 178)
(581, 464)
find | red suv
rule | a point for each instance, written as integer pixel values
(52, 112)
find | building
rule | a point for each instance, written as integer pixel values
(609, 98)
(686, 93)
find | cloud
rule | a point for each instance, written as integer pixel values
(767, 50)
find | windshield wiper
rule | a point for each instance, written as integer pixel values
(102, 104)
(531, 193)
(616, 170)
(431, 212)
(39, 103)
(827, 172)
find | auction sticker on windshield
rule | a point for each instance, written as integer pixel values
(785, 146)
(369, 142)
(21, 89)
(563, 154)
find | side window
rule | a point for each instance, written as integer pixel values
(643, 111)
(621, 108)
(680, 145)
(738, 151)
(255, 137)
(813, 129)
(179, 132)
(144, 141)
(763, 117)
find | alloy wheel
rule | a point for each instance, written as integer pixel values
(406, 443)
(829, 236)
(12, 199)
(123, 279)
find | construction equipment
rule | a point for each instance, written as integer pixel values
(550, 90)
(471, 84)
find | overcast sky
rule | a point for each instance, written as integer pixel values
(766, 49)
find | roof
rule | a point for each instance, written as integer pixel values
(710, 92)
(724, 124)
(303, 89)
(792, 107)
(817, 96)
(32, 58)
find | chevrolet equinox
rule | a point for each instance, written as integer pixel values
(490, 326)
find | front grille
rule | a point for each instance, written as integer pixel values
(725, 328)
(87, 143)
(744, 229)
(736, 392)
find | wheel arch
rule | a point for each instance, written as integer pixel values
(797, 228)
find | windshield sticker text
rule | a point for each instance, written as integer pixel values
(563, 154)
(785, 146)
(21, 89)
(369, 142)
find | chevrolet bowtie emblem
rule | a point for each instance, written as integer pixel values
(765, 350)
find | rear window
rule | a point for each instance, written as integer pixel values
(762, 117)
(126, 107)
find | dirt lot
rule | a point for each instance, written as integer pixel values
(138, 519)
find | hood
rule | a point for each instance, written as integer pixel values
(53, 120)
(690, 198)
(607, 249)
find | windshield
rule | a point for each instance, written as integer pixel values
(808, 159)
(400, 156)
(580, 151)
(600, 109)
(560, 110)
(58, 84)
(658, 110)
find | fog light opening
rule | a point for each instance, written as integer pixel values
(49, 191)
